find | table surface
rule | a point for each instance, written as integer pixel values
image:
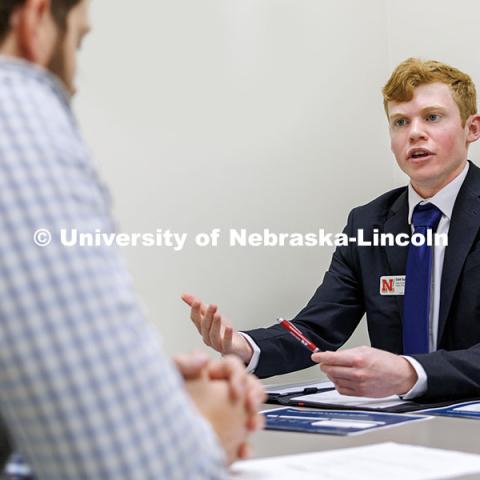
(439, 432)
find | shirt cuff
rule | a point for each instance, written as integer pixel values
(420, 386)
(252, 365)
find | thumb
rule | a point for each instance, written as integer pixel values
(188, 298)
(190, 365)
(317, 357)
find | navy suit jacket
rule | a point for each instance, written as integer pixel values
(351, 288)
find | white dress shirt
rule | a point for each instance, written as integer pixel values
(444, 200)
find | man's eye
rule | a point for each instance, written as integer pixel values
(399, 122)
(433, 117)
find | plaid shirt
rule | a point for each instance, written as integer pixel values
(86, 391)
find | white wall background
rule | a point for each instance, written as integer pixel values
(249, 114)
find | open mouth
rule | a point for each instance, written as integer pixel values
(419, 153)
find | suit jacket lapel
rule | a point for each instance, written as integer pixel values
(397, 222)
(463, 229)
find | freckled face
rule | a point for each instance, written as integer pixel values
(427, 137)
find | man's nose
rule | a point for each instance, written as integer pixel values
(417, 130)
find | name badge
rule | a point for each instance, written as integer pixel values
(392, 285)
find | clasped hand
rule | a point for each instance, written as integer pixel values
(226, 396)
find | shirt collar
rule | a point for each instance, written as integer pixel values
(16, 64)
(444, 200)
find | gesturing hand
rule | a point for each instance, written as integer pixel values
(216, 330)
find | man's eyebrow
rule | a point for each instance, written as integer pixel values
(397, 115)
(429, 108)
(426, 109)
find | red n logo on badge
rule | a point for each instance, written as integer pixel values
(387, 285)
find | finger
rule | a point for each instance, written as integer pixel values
(244, 451)
(227, 340)
(196, 315)
(345, 358)
(340, 383)
(324, 357)
(191, 299)
(188, 298)
(340, 373)
(255, 423)
(346, 390)
(331, 379)
(354, 388)
(206, 323)
(315, 357)
(216, 333)
(255, 394)
(191, 365)
(198, 309)
(230, 368)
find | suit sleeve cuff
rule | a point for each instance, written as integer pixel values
(420, 386)
(256, 353)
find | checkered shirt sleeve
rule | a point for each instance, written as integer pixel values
(86, 390)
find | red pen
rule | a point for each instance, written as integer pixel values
(292, 329)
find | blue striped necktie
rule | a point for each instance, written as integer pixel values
(416, 304)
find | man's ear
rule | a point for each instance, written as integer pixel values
(472, 127)
(35, 31)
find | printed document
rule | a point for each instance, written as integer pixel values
(390, 461)
(333, 397)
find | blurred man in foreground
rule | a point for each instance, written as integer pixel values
(86, 391)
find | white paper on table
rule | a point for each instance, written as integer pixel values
(474, 407)
(359, 424)
(296, 387)
(390, 461)
(333, 397)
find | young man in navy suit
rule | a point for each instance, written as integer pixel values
(425, 334)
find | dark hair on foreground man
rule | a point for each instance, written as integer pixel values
(86, 391)
(59, 10)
